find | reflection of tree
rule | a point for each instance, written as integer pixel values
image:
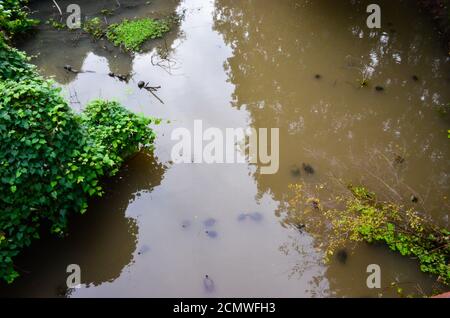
(346, 132)
(102, 241)
(278, 47)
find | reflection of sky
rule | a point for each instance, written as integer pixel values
(242, 260)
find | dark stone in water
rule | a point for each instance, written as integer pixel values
(211, 234)
(242, 216)
(317, 76)
(300, 227)
(414, 199)
(208, 283)
(141, 84)
(342, 256)
(209, 222)
(111, 74)
(143, 249)
(185, 224)
(68, 67)
(61, 290)
(399, 159)
(256, 216)
(379, 88)
(315, 204)
(295, 172)
(308, 168)
(415, 78)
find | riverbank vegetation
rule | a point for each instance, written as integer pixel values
(402, 230)
(51, 159)
(361, 217)
(14, 19)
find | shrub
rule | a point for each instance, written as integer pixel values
(359, 216)
(403, 231)
(52, 160)
(13, 64)
(13, 19)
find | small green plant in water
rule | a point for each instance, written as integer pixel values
(131, 34)
(106, 12)
(360, 216)
(96, 27)
(57, 25)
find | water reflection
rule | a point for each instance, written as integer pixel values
(72, 47)
(348, 101)
(102, 242)
(279, 48)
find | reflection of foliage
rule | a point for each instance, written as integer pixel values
(276, 50)
(272, 69)
(440, 11)
(309, 260)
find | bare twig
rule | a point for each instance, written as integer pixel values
(57, 6)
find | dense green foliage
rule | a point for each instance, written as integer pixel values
(131, 34)
(13, 64)
(56, 24)
(52, 160)
(13, 19)
(361, 217)
(403, 231)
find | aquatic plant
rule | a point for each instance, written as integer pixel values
(55, 24)
(96, 27)
(360, 216)
(131, 34)
(106, 12)
(51, 159)
(402, 230)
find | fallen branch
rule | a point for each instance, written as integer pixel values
(57, 6)
(151, 89)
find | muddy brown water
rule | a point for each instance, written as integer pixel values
(251, 64)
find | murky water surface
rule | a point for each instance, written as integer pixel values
(295, 65)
